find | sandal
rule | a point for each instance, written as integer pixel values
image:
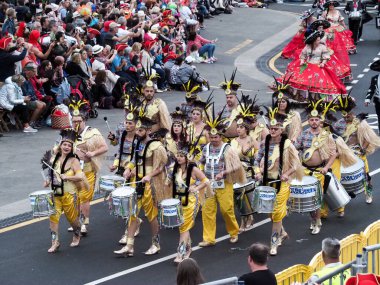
(54, 247)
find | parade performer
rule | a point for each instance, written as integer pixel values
(277, 159)
(374, 91)
(185, 174)
(64, 180)
(258, 131)
(148, 166)
(358, 135)
(339, 62)
(281, 99)
(246, 147)
(191, 96)
(155, 108)
(337, 25)
(177, 135)
(318, 152)
(127, 142)
(308, 74)
(90, 148)
(293, 49)
(222, 167)
(231, 109)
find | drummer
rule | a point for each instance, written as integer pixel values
(246, 147)
(231, 109)
(191, 96)
(147, 166)
(185, 174)
(222, 166)
(127, 142)
(318, 152)
(358, 135)
(277, 161)
(63, 180)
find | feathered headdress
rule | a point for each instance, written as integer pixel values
(215, 124)
(143, 121)
(131, 108)
(79, 108)
(148, 76)
(281, 90)
(190, 149)
(46, 160)
(191, 90)
(327, 108)
(230, 87)
(203, 105)
(346, 104)
(68, 135)
(275, 118)
(248, 111)
(178, 116)
(315, 108)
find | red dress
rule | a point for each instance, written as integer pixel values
(311, 77)
(295, 46)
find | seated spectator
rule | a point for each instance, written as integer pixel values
(32, 88)
(187, 72)
(195, 54)
(12, 99)
(7, 59)
(204, 46)
(189, 273)
(74, 66)
(61, 48)
(57, 79)
(101, 94)
(9, 26)
(260, 273)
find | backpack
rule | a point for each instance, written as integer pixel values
(63, 91)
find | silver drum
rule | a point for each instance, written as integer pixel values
(305, 196)
(42, 203)
(109, 183)
(353, 178)
(244, 197)
(124, 202)
(335, 196)
(170, 213)
(265, 199)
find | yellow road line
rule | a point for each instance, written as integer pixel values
(239, 46)
(272, 61)
(36, 220)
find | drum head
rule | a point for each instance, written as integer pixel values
(170, 202)
(41, 192)
(306, 180)
(112, 177)
(358, 165)
(123, 191)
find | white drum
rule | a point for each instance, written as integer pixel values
(265, 199)
(124, 202)
(108, 183)
(305, 195)
(42, 203)
(353, 178)
(170, 213)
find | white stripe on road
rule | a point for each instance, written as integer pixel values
(376, 58)
(354, 81)
(348, 88)
(374, 172)
(361, 75)
(163, 259)
(365, 69)
(353, 64)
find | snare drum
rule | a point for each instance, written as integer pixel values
(335, 196)
(244, 197)
(124, 202)
(42, 203)
(170, 213)
(108, 183)
(305, 195)
(264, 199)
(353, 177)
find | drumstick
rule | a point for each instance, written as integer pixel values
(51, 167)
(109, 129)
(274, 181)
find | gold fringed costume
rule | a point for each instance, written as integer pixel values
(291, 161)
(293, 125)
(346, 155)
(234, 167)
(367, 138)
(165, 120)
(160, 159)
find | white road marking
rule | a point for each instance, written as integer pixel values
(353, 64)
(376, 171)
(348, 88)
(378, 53)
(163, 259)
(365, 69)
(361, 75)
(354, 81)
(376, 58)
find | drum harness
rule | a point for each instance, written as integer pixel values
(213, 160)
(141, 186)
(54, 186)
(120, 169)
(189, 169)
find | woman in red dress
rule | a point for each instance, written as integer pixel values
(309, 73)
(341, 67)
(338, 28)
(294, 47)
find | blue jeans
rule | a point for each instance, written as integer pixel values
(209, 48)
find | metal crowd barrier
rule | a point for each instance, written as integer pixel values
(338, 272)
(371, 255)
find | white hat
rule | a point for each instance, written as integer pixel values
(189, 59)
(140, 14)
(54, 6)
(114, 25)
(97, 49)
(76, 14)
(155, 29)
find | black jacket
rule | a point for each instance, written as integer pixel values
(8, 63)
(373, 89)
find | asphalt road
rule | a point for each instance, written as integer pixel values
(24, 257)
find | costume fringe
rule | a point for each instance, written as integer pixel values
(234, 167)
(367, 138)
(92, 144)
(346, 155)
(83, 184)
(165, 119)
(327, 148)
(292, 161)
(205, 192)
(295, 127)
(160, 159)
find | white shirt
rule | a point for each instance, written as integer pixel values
(97, 65)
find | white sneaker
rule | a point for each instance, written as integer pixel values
(30, 130)
(123, 240)
(70, 229)
(204, 88)
(83, 230)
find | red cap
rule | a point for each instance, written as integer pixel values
(364, 279)
(107, 26)
(120, 47)
(93, 31)
(149, 44)
(166, 13)
(4, 42)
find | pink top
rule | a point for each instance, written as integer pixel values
(198, 41)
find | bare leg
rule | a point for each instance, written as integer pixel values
(38, 111)
(54, 238)
(76, 235)
(275, 239)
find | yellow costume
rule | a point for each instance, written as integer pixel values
(256, 133)
(245, 157)
(157, 111)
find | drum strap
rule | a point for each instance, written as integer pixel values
(121, 150)
(58, 189)
(189, 170)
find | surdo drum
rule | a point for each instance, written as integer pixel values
(109, 183)
(264, 199)
(170, 213)
(124, 202)
(305, 195)
(335, 196)
(42, 203)
(353, 178)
